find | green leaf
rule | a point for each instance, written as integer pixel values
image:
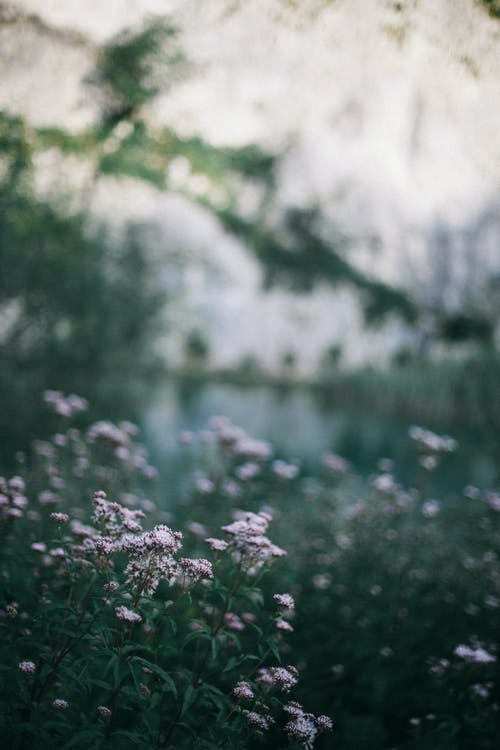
(155, 700)
(232, 662)
(189, 698)
(215, 646)
(167, 679)
(101, 683)
(274, 648)
(195, 634)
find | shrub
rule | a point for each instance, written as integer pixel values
(111, 635)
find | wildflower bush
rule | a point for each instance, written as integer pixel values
(397, 589)
(111, 635)
(118, 630)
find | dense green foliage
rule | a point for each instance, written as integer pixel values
(389, 581)
(134, 68)
(109, 637)
(297, 254)
(450, 391)
(79, 309)
(394, 628)
(493, 7)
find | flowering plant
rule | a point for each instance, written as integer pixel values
(116, 638)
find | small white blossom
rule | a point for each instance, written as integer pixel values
(474, 655)
(60, 517)
(257, 720)
(60, 704)
(28, 667)
(243, 690)
(218, 545)
(127, 615)
(284, 625)
(249, 542)
(285, 600)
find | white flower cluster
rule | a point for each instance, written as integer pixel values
(127, 615)
(303, 729)
(284, 470)
(429, 442)
(151, 558)
(493, 500)
(243, 690)
(115, 519)
(60, 517)
(60, 704)
(263, 723)
(27, 667)
(474, 655)
(430, 446)
(119, 438)
(335, 464)
(12, 498)
(248, 541)
(217, 545)
(107, 432)
(284, 600)
(283, 678)
(65, 406)
(195, 569)
(151, 553)
(235, 440)
(303, 726)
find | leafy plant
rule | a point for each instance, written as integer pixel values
(111, 637)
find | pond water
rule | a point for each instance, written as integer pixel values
(301, 425)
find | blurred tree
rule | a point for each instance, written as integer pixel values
(493, 7)
(466, 326)
(250, 366)
(330, 359)
(296, 253)
(131, 70)
(196, 348)
(403, 356)
(77, 310)
(288, 361)
(134, 67)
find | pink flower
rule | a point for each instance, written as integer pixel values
(285, 678)
(27, 667)
(284, 625)
(196, 569)
(285, 600)
(284, 470)
(302, 728)
(335, 464)
(127, 615)
(233, 622)
(60, 517)
(57, 552)
(324, 722)
(218, 545)
(253, 548)
(257, 720)
(474, 655)
(39, 547)
(60, 704)
(243, 690)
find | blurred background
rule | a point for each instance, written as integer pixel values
(283, 211)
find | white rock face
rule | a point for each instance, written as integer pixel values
(389, 115)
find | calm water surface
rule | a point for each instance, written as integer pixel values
(301, 425)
